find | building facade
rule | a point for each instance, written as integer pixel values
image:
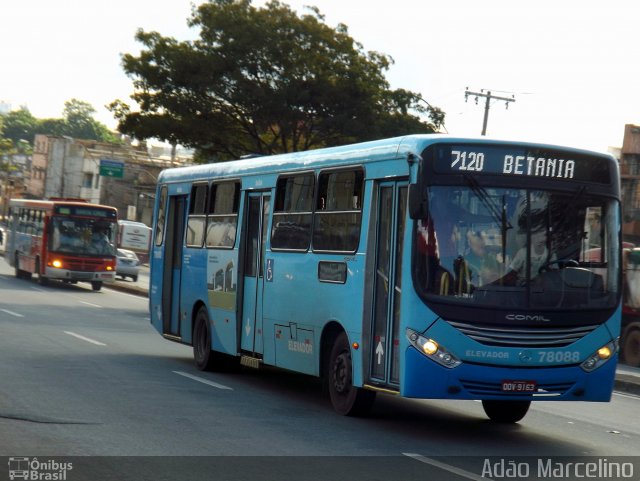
(630, 183)
(71, 168)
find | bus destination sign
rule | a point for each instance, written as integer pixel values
(524, 162)
(85, 211)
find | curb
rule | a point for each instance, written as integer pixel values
(627, 383)
(134, 290)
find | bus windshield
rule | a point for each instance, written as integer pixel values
(82, 236)
(518, 248)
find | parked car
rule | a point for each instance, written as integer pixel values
(128, 264)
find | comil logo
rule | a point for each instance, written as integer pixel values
(527, 317)
(35, 470)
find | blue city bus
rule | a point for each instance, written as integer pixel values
(426, 266)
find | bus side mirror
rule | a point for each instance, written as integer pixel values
(417, 202)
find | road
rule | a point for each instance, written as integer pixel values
(84, 376)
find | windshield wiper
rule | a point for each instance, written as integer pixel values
(498, 214)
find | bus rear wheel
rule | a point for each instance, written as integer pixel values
(20, 274)
(202, 354)
(346, 399)
(506, 411)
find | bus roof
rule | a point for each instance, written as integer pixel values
(48, 203)
(379, 150)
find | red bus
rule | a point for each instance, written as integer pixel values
(63, 239)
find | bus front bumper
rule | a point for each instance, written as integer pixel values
(426, 379)
(69, 275)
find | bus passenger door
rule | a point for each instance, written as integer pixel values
(387, 286)
(172, 267)
(254, 270)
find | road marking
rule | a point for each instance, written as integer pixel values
(203, 381)
(447, 467)
(92, 341)
(38, 289)
(11, 313)
(90, 304)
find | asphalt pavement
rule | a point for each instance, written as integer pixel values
(627, 378)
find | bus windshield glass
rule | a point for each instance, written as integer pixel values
(513, 247)
(82, 236)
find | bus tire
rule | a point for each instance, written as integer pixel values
(16, 266)
(506, 411)
(21, 274)
(346, 399)
(42, 280)
(631, 347)
(202, 354)
(96, 285)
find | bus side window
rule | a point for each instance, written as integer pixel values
(338, 211)
(39, 223)
(22, 225)
(222, 218)
(29, 222)
(292, 213)
(161, 217)
(197, 215)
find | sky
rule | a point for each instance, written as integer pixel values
(572, 66)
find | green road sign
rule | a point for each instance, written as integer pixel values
(111, 168)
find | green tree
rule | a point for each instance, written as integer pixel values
(77, 122)
(263, 80)
(19, 125)
(6, 147)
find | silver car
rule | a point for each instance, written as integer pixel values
(128, 264)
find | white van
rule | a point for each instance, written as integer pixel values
(134, 236)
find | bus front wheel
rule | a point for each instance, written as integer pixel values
(42, 280)
(346, 399)
(506, 411)
(96, 285)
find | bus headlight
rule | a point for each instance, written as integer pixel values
(432, 349)
(57, 263)
(599, 357)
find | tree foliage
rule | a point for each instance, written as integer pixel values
(264, 80)
(19, 125)
(77, 122)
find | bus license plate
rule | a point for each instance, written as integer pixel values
(519, 386)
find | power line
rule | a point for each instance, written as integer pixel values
(487, 104)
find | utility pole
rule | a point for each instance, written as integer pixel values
(487, 104)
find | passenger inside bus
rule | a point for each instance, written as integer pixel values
(539, 255)
(100, 241)
(484, 265)
(441, 282)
